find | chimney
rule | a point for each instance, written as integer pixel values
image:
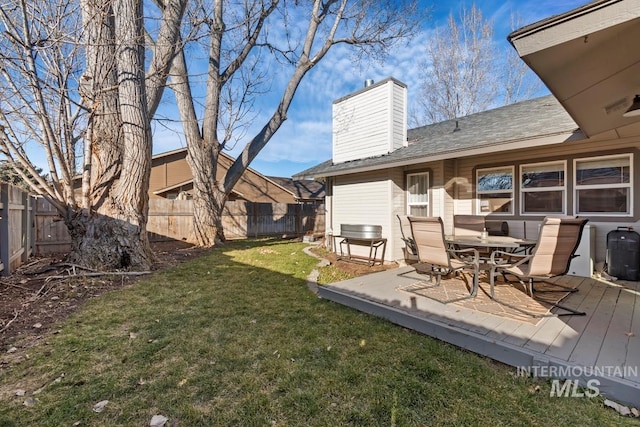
(371, 121)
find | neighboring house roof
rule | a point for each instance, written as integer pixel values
(182, 184)
(302, 189)
(535, 122)
(222, 154)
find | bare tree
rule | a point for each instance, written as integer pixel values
(465, 72)
(518, 81)
(73, 83)
(238, 37)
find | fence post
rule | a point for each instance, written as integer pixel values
(255, 219)
(5, 246)
(26, 226)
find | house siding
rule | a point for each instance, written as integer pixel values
(370, 122)
(437, 198)
(452, 191)
(363, 199)
(399, 114)
(398, 207)
(466, 203)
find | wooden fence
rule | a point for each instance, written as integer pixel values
(173, 220)
(16, 233)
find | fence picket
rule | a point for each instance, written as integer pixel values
(173, 220)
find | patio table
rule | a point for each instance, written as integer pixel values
(491, 243)
(505, 242)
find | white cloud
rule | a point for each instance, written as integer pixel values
(306, 135)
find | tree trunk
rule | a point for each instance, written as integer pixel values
(105, 243)
(113, 235)
(208, 197)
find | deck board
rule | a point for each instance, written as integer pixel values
(588, 347)
(633, 349)
(616, 340)
(564, 344)
(608, 335)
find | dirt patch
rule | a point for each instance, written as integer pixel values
(32, 302)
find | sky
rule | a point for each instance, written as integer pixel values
(305, 138)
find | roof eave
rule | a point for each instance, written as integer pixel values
(539, 141)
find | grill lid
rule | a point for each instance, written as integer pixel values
(361, 231)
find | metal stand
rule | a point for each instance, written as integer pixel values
(373, 245)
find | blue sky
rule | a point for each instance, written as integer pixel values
(304, 140)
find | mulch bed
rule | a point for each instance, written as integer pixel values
(32, 303)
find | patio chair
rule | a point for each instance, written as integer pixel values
(468, 225)
(428, 233)
(410, 249)
(551, 257)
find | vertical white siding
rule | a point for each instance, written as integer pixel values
(370, 122)
(399, 115)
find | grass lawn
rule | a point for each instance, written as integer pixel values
(235, 338)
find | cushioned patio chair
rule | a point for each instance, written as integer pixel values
(410, 249)
(428, 233)
(551, 257)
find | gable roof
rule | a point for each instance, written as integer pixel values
(305, 189)
(222, 154)
(536, 122)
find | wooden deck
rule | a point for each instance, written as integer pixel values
(603, 345)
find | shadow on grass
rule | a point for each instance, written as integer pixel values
(235, 338)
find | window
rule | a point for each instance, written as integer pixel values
(418, 194)
(603, 185)
(543, 188)
(495, 190)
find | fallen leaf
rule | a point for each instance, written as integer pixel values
(158, 421)
(30, 401)
(621, 409)
(182, 382)
(99, 407)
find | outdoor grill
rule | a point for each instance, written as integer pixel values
(361, 231)
(362, 235)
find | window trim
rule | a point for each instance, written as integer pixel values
(629, 185)
(522, 190)
(408, 204)
(512, 191)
